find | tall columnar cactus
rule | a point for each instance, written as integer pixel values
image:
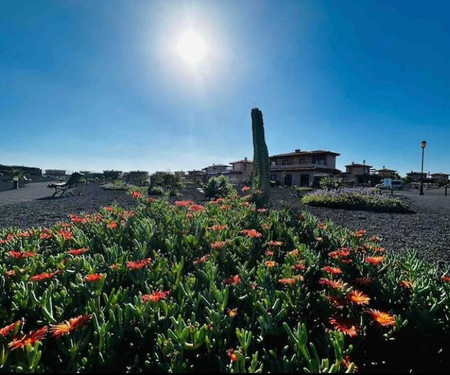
(261, 164)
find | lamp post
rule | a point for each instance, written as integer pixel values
(423, 144)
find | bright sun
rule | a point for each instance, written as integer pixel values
(191, 47)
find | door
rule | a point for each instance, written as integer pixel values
(288, 180)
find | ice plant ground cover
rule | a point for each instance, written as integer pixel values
(355, 198)
(216, 287)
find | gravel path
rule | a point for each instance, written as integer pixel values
(426, 229)
(33, 205)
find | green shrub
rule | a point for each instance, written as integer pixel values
(155, 190)
(331, 182)
(355, 198)
(218, 187)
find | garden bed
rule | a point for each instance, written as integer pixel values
(218, 286)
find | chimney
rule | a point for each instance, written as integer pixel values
(364, 162)
(297, 150)
(245, 159)
(353, 162)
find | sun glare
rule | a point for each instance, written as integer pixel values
(191, 47)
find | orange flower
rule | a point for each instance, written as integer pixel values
(218, 245)
(374, 260)
(344, 325)
(77, 219)
(233, 280)
(406, 284)
(65, 234)
(382, 318)
(77, 251)
(30, 338)
(232, 312)
(358, 298)
(251, 233)
(114, 266)
(5, 330)
(197, 208)
(70, 325)
(138, 264)
(155, 296)
(294, 253)
(218, 227)
(44, 276)
(183, 203)
(231, 355)
(108, 208)
(203, 259)
(342, 252)
(112, 225)
(270, 263)
(299, 266)
(136, 195)
(347, 362)
(332, 270)
(245, 189)
(374, 239)
(290, 280)
(339, 284)
(217, 201)
(360, 233)
(21, 254)
(94, 277)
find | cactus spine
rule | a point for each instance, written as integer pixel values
(261, 164)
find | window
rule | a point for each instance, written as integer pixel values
(273, 177)
(302, 161)
(285, 162)
(319, 160)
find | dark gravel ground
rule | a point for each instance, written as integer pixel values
(19, 209)
(426, 229)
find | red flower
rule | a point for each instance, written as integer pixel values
(77, 251)
(136, 195)
(108, 208)
(290, 280)
(298, 267)
(21, 254)
(155, 296)
(31, 338)
(5, 330)
(77, 219)
(218, 245)
(374, 260)
(70, 325)
(363, 280)
(183, 203)
(251, 233)
(231, 355)
(44, 276)
(112, 225)
(332, 270)
(336, 301)
(360, 233)
(342, 252)
(93, 277)
(138, 264)
(445, 278)
(233, 280)
(203, 259)
(197, 208)
(65, 234)
(345, 325)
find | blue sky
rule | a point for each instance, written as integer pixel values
(96, 85)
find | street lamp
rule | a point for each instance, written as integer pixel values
(423, 144)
